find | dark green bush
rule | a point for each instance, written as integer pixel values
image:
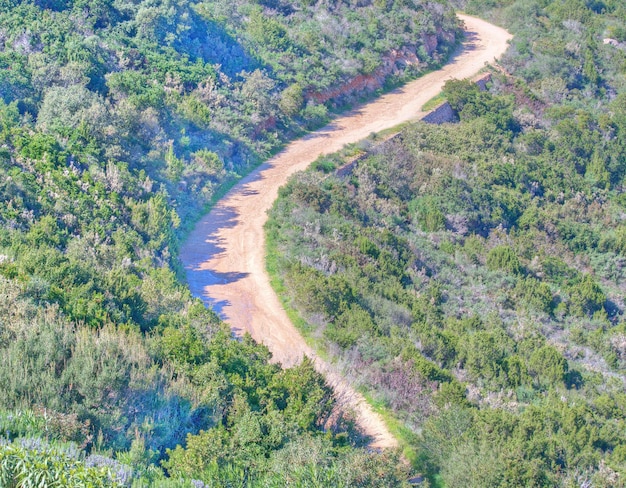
(504, 258)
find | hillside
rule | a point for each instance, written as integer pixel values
(470, 276)
(119, 122)
(224, 255)
(155, 85)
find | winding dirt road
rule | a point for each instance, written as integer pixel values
(224, 256)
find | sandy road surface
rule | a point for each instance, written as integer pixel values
(224, 255)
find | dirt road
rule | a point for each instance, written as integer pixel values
(224, 255)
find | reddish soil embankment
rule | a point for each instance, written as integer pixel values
(390, 65)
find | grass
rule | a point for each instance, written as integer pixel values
(434, 102)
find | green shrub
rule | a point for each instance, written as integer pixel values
(535, 294)
(504, 258)
(547, 365)
(428, 214)
(586, 296)
(46, 465)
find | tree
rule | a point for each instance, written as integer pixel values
(66, 108)
(291, 100)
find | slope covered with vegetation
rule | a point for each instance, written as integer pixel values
(471, 276)
(193, 91)
(119, 122)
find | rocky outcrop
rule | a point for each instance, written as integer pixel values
(430, 43)
(615, 43)
(481, 80)
(441, 114)
(360, 83)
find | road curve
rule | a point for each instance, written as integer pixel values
(224, 256)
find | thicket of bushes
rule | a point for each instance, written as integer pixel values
(471, 276)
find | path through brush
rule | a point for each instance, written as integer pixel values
(224, 256)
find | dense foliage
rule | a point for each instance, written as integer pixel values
(125, 397)
(471, 277)
(119, 123)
